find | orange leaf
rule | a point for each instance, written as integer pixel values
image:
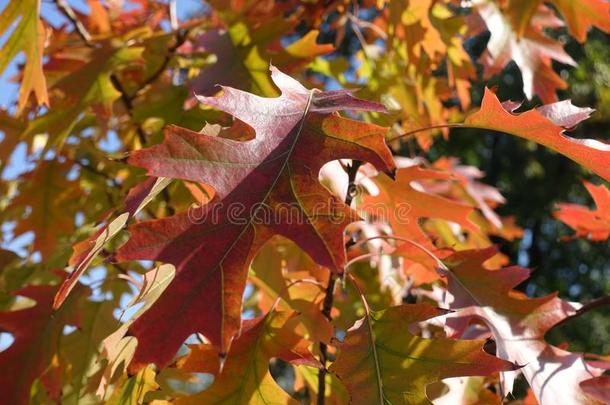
(592, 224)
(546, 126)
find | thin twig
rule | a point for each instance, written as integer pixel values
(173, 14)
(367, 312)
(127, 99)
(80, 29)
(327, 306)
(181, 37)
(93, 170)
(596, 303)
(326, 311)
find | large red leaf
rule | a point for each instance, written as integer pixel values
(518, 325)
(264, 186)
(545, 125)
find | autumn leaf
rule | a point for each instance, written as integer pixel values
(381, 362)
(12, 127)
(598, 388)
(36, 332)
(79, 350)
(212, 247)
(245, 376)
(253, 190)
(87, 86)
(467, 391)
(583, 15)
(118, 348)
(252, 39)
(132, 390)
(28, 36)
(402, 204)
(87, 250)
(481, 194)
(518, 325)
(47, 194)
(531, 50)
(335, 393)
(579, 16)
(545, 125)
(592, 224)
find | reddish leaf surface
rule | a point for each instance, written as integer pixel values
(518, 325)
(588, 223)
(579, 15)
(255, 182)
(545, 126)
(36, 331)
(598, 388)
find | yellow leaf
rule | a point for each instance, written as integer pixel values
(29, 37)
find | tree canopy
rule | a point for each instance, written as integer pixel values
(317, 202)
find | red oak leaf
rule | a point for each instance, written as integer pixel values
(531, 49)
(402, 203)
(382, 362)
(583, 14)
(518, 325)
(37, 331)
(264, 186)
(592, 224)
(545, 125)
(579, 15)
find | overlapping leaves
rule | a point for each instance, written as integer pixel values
(295, 134)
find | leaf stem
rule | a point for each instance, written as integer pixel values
(327, 306)
(367, 312)
(423, 129)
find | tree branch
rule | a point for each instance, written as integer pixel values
(79, 28)
(127, 99)
(327, 306)
(181, 37)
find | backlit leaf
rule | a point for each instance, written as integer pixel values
(264, 186)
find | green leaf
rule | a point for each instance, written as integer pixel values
(382, 362)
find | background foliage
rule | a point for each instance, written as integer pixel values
(88, 83)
